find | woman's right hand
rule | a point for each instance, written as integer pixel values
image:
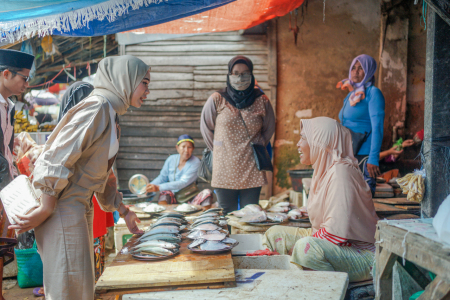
(27, 222)
(36, 217)
(394, 151)
(152, 188)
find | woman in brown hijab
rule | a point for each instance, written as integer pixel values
(340, 207)
(75, 164)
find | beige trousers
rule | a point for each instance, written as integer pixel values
(65, 243)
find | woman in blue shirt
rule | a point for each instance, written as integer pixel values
(363, 112)
(179, 171)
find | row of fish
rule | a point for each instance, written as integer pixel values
(208, 234)
(163, 237)
(279, 213)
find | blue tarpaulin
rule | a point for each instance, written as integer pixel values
(22, 19)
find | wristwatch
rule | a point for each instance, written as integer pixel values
(125, 213)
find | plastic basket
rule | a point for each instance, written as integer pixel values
(29, 266)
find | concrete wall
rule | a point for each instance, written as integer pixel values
(308, 72)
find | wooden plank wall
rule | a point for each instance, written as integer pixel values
(185, 72)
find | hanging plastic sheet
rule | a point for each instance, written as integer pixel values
(241, 14)
(23, 19)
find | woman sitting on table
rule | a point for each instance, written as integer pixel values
(340, 207)
(176, 182)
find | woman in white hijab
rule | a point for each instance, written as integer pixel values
(340, 207)
(75, 164)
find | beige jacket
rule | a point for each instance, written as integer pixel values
(77, 152)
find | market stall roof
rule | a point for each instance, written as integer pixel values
(23, 19)
(240, 14)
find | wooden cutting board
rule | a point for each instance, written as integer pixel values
(395, 201)
(409, 207)
(186, 270)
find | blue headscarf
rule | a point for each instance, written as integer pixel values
(185, 138)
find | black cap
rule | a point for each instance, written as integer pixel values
(16, 59)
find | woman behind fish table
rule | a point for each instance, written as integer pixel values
(75, 164)
(340, 207)
(235, 174)
(176, 182)
(363, 112)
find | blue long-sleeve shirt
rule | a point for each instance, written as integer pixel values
(172, 179)
(366, 116)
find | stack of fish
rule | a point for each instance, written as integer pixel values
(163, 237)
(208, 233)
(253, 213)
(187, 208)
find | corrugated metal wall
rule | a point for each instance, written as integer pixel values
(185, 72)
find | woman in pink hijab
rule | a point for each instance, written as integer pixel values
(340, 207)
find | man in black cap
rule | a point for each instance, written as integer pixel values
(15, 68)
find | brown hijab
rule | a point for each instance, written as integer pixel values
(340, 200)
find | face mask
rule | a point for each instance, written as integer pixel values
(240, 82)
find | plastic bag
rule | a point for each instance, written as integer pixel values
(441, 221)
(22, 143)
(205, 170)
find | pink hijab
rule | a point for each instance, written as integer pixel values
(340, 200)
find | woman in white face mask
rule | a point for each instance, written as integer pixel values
(235, 176)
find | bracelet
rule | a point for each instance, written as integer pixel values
(125, 213)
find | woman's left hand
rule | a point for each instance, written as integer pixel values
(374, 171)
(27, 222)
(131, 219)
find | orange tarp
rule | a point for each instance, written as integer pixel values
(241, 14)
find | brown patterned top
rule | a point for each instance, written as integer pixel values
(222, 128)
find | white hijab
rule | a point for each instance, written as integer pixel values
(340, 200)
(117, 77)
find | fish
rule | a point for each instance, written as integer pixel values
(223, 223)
(214, 236)
(153, 208)
(239, 213)
(152, 250)
(157, 243)
(168, 220)
(206, 218)
(161, 230)
(171, 219)
(215, 222)
(229, 241)
(295, 214)
(277, 217)
(282, 204)
(208, 215)
(172, 215)
(185, 207)
(196, 242)
(195, 234)
(253, 207)
(214, 246)
(215, 210)
(257, 217)
(171, 238)
(207, 227)
(166, 224)
(279, 209)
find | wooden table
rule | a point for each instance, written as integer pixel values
(187, 270)
(385, 210)
(425, 251)
(243, 228)
(268, 285)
